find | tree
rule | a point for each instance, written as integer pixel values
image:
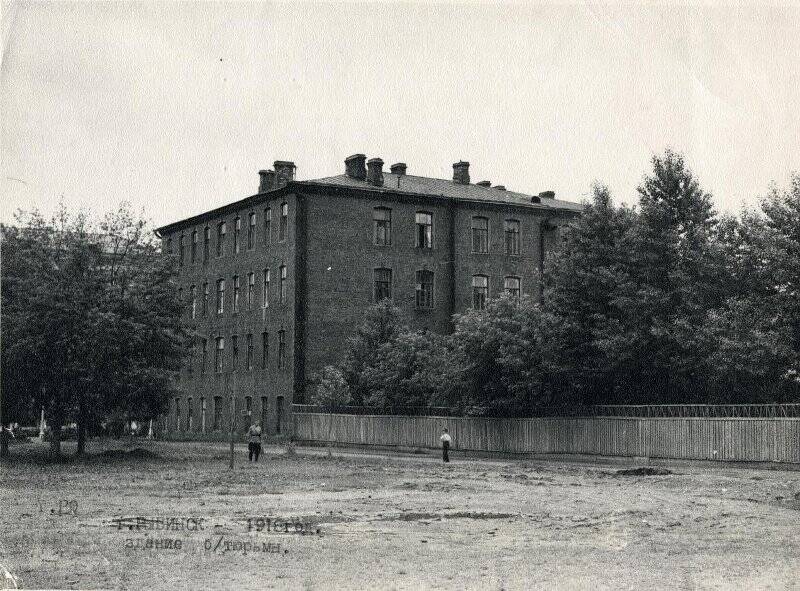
(673, 276)
(143, 329)
(417, 368)
(506, 356)
(382, 324)
(581, 287)
(90, 318)
(46, 312)
(331, 392)
(753, 338)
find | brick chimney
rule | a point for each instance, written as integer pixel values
(354, 166)
(284, 172)
(461, 172)
(500, 187)
(267, 180)
(484, 184)
(398, 169)
(375, 172)
(547, 194)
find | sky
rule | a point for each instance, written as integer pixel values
(175, 107)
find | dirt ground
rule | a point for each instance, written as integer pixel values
(371, 521)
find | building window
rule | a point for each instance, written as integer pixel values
(424, 289)
(220, 296)
(264, 350)
(180, 250)
(512, 236)
(284, 227)
(219, 355)
(480, 291)
(424, 235)
(169, 245)
(279, 414)
(382, 218)
(192, 354)
(264, 408)
(189, 414)
(251, 231)
(237, 288)
(480, 235)
(194, 245)
(251, 289)
(237, 234)
(383, 284)
(203, 414)
(511, 285)
(177, 414)
(217, 424)
(203, 355)
(193, 296)
(235, 352)
(206, 243)
(282, 293)
(281, 349)
(267, 225)
(221, 230)
(249, 358)
(265, 289)
(205, 298)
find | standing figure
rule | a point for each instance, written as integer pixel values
(445, 439)
(254, 446)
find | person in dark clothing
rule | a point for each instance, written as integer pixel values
(445, 439)
(254, 446)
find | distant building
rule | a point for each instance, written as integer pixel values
(276, 282)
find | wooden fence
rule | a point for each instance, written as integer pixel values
(698, 438)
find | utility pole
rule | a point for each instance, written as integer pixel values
(233, 417)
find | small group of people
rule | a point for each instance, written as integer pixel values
(254, 444)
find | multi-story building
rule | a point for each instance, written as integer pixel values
(276, 282)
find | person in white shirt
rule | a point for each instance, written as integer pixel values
(445, 439)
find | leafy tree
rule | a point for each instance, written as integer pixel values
(751, 358)
(506, 352)
(331, 391)
(753, 339)
(673, 277)
(414, 369)
(144, 333)
(382, 324)
(581, 288)
(47, 312)
(781, 258)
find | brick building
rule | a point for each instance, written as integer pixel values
(277, 281)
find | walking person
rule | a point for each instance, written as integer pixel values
(254, 445)
(445, 439)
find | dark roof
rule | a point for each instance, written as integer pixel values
(394, 184)
(423, 185)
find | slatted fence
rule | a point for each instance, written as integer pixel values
(699, 438)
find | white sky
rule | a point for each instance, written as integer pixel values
(175, 107)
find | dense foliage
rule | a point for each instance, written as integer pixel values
(91, 325)
(667, 302)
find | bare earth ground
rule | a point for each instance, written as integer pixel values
(390, 521)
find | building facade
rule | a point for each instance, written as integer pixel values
(275, 283)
